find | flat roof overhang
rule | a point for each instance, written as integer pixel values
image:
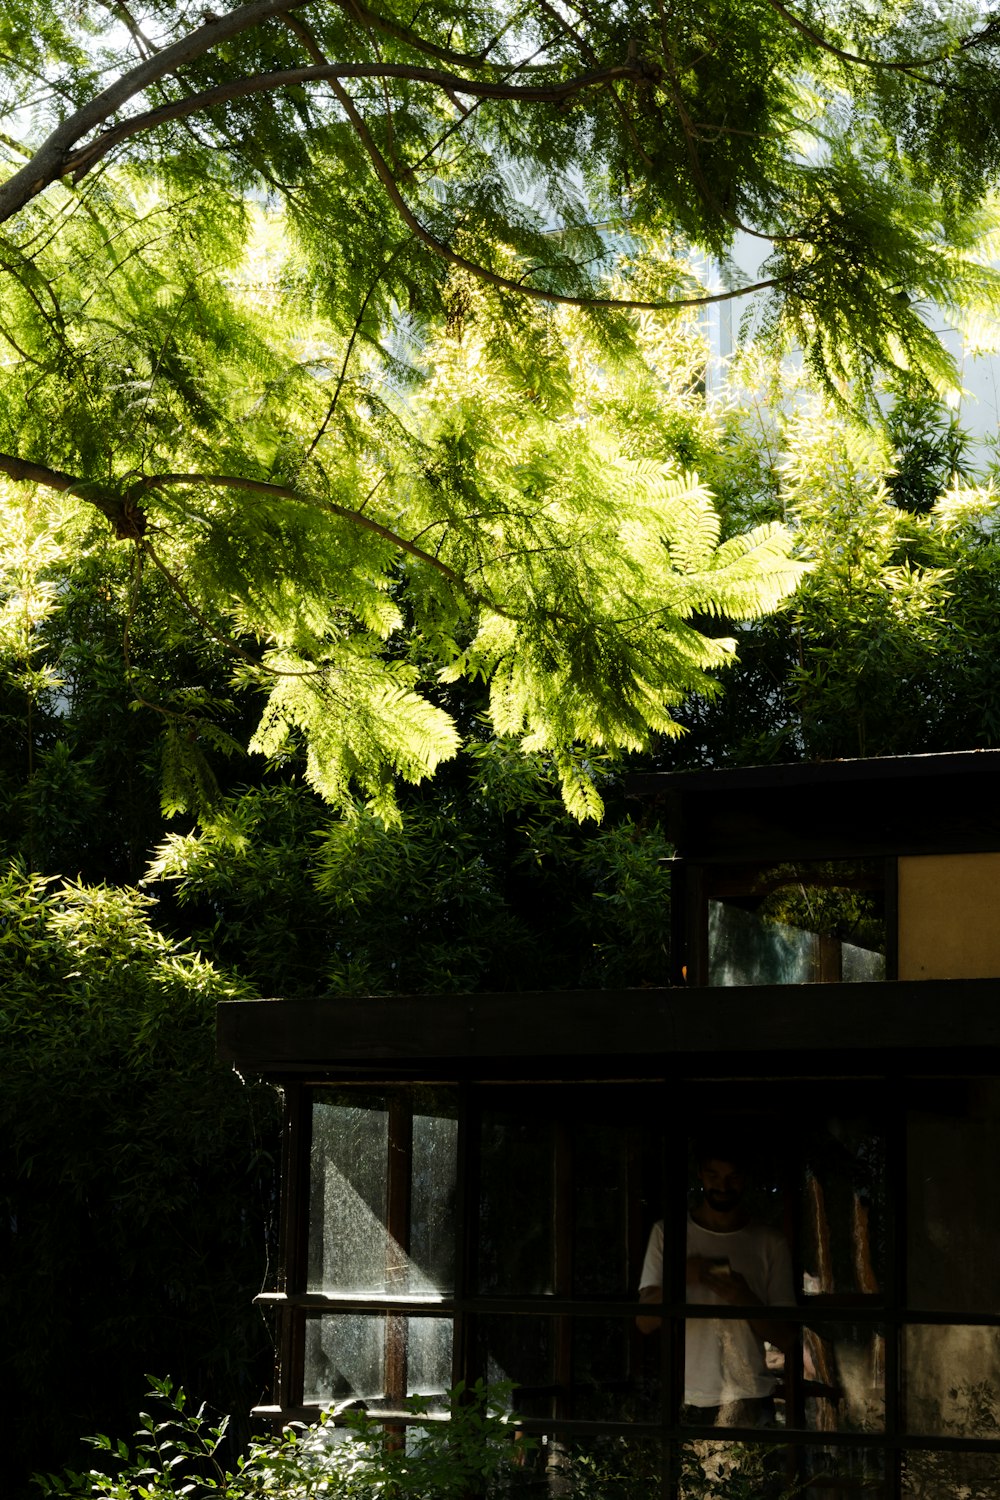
(911, 804)
(619, 1034)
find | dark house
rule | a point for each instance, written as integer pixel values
(470, 1181)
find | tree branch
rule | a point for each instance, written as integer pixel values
(286, 492)
(123, 510)
(126, 518)
(911, 66)
(47, 164)
(80, 162)
(506, 283)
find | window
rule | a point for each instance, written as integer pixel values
(500, 1230)
(803, 922)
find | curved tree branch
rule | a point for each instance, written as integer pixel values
(47, 163)
(910, 66)
(123, 509)
(506, 283)
(286, 492)
(127, 520)
(77, 164)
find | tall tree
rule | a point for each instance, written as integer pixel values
(299, 297)
(401, 138)
(485, 505)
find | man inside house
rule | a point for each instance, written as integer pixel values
(731, 1261)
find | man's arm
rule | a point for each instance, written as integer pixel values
(697, 1273)
(734, 1290)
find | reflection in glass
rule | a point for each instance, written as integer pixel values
(714, 1470)
(595, 1468)
(843, 1207)
(610, 1377)
(952, 1380)
(519, 1351)
(515, 1210)
(953, 1214)
(844, 1385)
(950, 1476)
(432, 1203)
(375, 1357)
(809, 923)
(600, 1211)
(744, 949)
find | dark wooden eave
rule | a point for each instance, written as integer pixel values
(610, 1033)
(911, 804)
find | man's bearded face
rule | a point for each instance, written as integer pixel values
(723, 1185)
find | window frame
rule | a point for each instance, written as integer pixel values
(293, 1304)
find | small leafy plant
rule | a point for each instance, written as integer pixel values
(180, 1455)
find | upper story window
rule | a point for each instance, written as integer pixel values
(802, 922)
(920, 916)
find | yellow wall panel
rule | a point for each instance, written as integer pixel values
(949, 916)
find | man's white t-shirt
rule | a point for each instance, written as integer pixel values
(724, 1358)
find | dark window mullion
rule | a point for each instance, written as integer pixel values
(892, 917)
(895, 1288)
(296, 1146)
(673, 1329)
(562, 1279)
(467, 1362)
(398, 1239)
(466, 1222)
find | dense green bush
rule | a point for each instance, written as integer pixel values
(135, 1172)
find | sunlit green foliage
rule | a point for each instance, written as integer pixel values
(350, 536)
(887, 646)
(336, 315)
(180, 1448)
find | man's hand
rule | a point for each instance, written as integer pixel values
(733, 1289)
(730, 1287)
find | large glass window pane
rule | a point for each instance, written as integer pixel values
(382, 1193)
(432, 1197)
(952, 1380)
(378, 1358)
(953, 1207)
(732, 1377)
(349, 1244)
(600, 1221)
(519, 1351)
(608, 1382)
(711, 1469)
(841, 1195)
(516, 1246)
(807, 923)
(928, 1475)
(592, 1468)
(843, 1387)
